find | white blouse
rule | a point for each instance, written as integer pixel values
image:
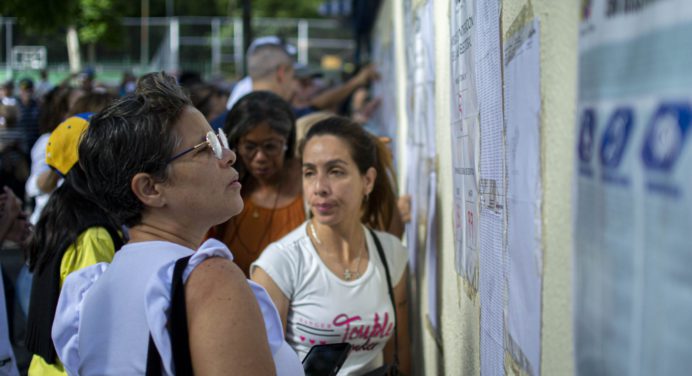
(156, 294)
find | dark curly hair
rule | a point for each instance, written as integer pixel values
(133, 134)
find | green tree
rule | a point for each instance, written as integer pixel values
(92, 20)
(282, 8)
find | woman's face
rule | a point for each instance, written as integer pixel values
(200, 184)
(333, 186)
(263, 151)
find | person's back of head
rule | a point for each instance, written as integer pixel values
(271, 68)
(9, 116)
(92, 102)
(208, 99)
(265, 60)
(56, 105)
(131, 135)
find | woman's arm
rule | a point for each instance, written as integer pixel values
(47, 181)
(280, 300)
(401, 299)
(225, 322)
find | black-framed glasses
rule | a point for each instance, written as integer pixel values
(217, 142)
(271, 148)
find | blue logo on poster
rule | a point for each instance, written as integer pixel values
(665, 136)
(586, 133)
(616, 136)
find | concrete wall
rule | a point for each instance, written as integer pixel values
(457, 350)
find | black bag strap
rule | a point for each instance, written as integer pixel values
(380, 252)
(177, 328)
(153, 359)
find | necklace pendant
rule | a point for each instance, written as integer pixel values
(348, 275)
(255, 214)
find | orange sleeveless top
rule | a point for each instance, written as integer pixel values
(248, 233)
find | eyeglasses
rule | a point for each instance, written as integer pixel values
(216, 142)
(272, 148)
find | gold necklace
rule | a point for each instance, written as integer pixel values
(255, 215)
(348, 273)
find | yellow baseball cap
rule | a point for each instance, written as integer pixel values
(63, 143)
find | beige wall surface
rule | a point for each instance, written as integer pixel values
(457, 350)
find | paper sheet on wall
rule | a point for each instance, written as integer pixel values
(633, 281)
(422, 126)
(412, 187)
(431, 265)
(465, 141)
(421, 134)
(492, 186)
(384, 121)
(522, 105)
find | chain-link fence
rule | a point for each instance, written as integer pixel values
(212, 46)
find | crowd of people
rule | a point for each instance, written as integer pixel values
(172, 227)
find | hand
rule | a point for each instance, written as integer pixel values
(404, 205)
(9, 201)
(20, 230)
(8, 210)
(366, 74)
(362, 107)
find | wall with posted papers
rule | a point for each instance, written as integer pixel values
(484, 105)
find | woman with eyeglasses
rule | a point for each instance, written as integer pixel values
(168, 303)
(261, 129)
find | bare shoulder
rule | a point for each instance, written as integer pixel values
(216, 275)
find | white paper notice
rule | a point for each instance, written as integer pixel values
(385, 122)
(422, 128)
(431, 251)
(465, 141)
(522, 58)
(633, 280)
(421, 133)
(492, 186)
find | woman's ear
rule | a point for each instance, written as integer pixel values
(369, 179)
(147, 190)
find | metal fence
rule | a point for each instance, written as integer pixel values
(212, 46)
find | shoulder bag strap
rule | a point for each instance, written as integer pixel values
(177, 329)
(380, 251)
(153, 359)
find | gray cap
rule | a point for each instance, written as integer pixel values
(271, 40)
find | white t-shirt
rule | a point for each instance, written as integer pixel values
(241, 89)
(326, 309)
(106, 312)
(38, 166)
(8, 363)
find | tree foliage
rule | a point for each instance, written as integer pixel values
(96, 20)
(99, 20)
(41, 15)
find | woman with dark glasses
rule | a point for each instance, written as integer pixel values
(152, 160)
(261, 128)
